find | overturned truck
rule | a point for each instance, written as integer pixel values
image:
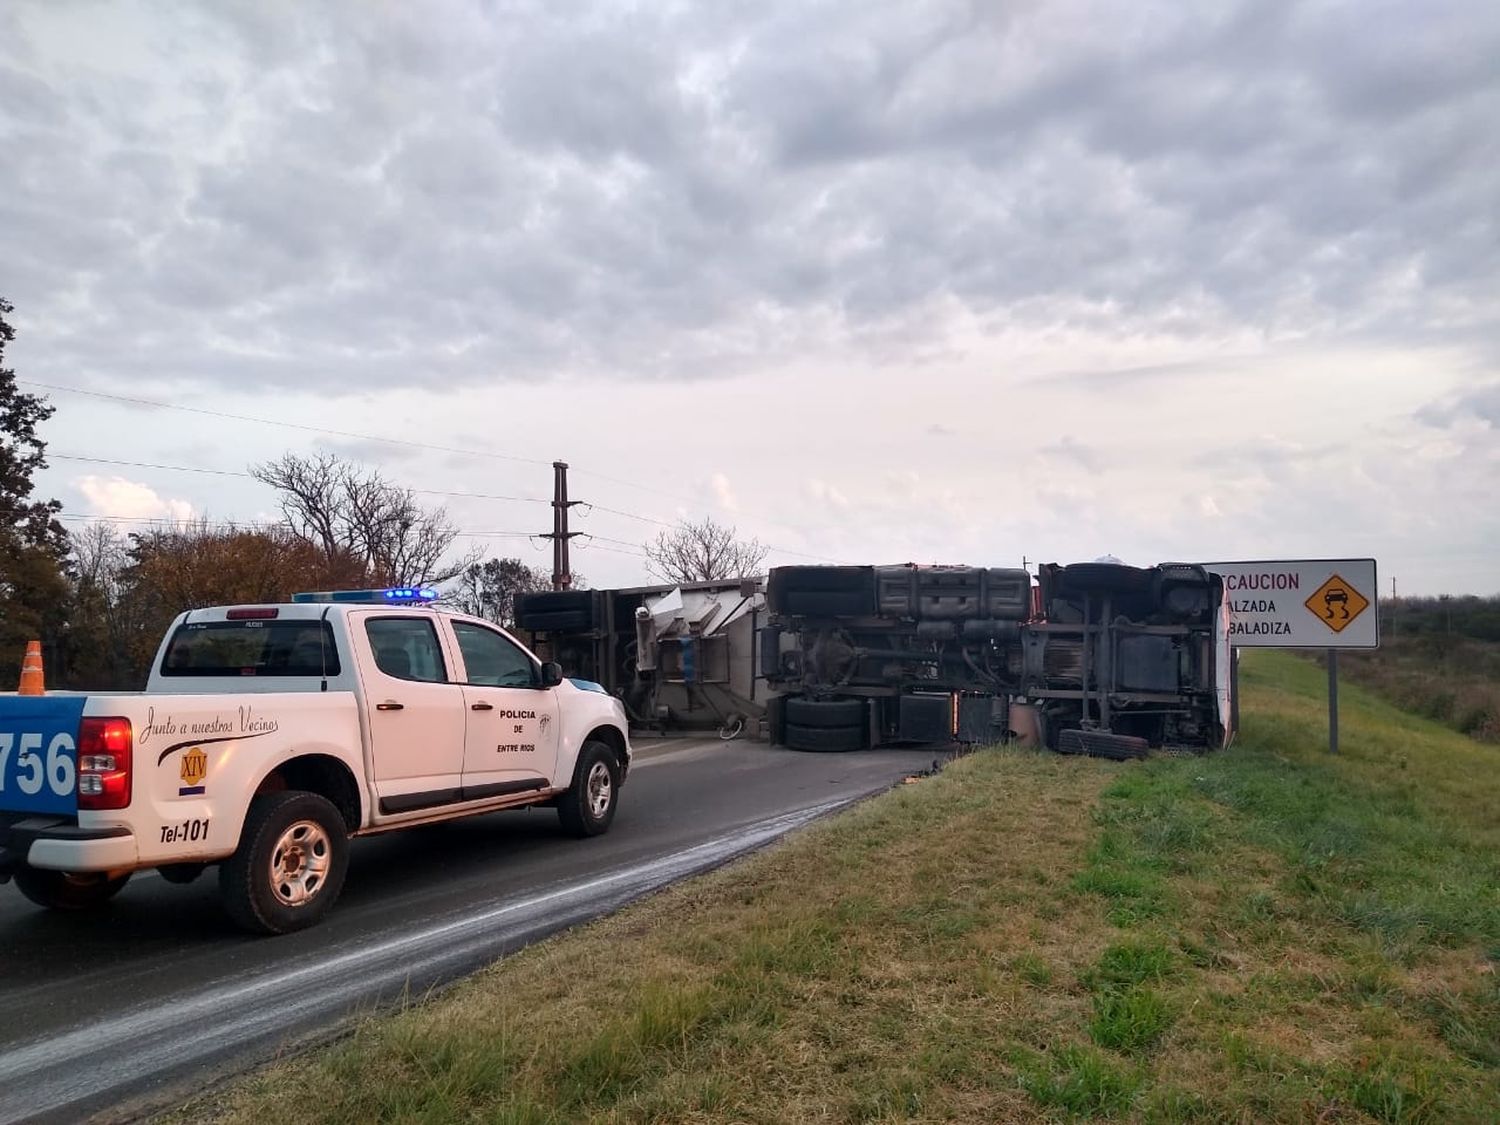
(1098, 658)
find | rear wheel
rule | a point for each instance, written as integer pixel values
(290, 865)
(67, 890)
(825, 739)
(825, 712)
(588, 807)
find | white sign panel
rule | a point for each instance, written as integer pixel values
(1301, 603)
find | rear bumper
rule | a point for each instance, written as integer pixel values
(60, 845)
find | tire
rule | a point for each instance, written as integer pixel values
(1099, 744)
(588, 807)
(1100, 578)
(800, 603)
(826, 740)
(290, 865)
(68, 891)
(826, 712)
(808, 578)
(822, 591)
(557, 611)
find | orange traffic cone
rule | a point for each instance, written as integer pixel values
(31, 671)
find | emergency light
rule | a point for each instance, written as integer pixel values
(394, 595)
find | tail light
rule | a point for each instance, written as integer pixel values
(104, 751)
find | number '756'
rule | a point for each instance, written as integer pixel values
(31, 770)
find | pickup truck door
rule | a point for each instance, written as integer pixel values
(512, 735)
(415, 711)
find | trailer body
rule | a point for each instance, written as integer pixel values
(1097, 658)
(678, 656)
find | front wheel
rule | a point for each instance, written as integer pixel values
(66, 890)
(290, 865)
(588, 807)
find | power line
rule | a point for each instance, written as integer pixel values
(591, 506)
(325, 431)
(173, 522)
(252, 476)
(586, 504)
(144, 465)
(159, 405)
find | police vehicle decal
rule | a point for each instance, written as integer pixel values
(39, 754)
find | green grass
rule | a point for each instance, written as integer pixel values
(1079, 1082)
(1130, 1019)
(1266, 934)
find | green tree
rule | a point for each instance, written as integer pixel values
(489, 589)
(33, 544)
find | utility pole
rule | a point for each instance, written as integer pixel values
(562, 571)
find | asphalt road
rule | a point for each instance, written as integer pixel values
(157, 996)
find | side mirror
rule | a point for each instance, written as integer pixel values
(552, 674)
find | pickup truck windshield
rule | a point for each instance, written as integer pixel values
(252, 648)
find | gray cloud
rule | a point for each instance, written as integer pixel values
(1481, 404)
(306, 195)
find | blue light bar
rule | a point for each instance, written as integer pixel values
(394, 595)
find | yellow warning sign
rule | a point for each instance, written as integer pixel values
(1336, 603)
(194, 766)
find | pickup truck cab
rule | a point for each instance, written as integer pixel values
(267, 736)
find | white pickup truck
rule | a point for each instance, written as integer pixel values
(267, 736)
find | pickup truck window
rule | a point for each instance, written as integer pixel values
(407, 648)
(491, 659)
(251, 648)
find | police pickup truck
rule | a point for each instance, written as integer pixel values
(269, 735)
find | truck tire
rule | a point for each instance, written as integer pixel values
(1100, 578)
(825, 739)
(588, 807)
(827, 603)
(826, 712)
(67, 891)
(822, 591)
(290, 865)
(1101, 744)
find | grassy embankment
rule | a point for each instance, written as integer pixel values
(1265, 934)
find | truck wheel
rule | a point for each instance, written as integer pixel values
(66, 890)
(1101, 578)
(826, 712)
(1101, 744)
(588, 807)
(290, 865)
(825, 739)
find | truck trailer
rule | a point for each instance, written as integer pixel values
(1097, 658)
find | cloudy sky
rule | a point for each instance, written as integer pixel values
(923, 280)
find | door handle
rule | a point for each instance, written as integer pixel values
(481, 707)
(388, 706)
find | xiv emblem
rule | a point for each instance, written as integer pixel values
(194, 771)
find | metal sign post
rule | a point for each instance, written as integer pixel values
(1333, 701)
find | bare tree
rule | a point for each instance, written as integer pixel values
(703, 552)
(353, 513)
